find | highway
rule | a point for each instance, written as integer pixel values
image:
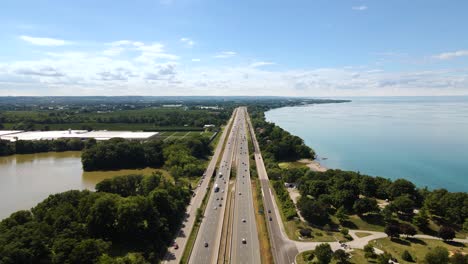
(283, 249)
(173, 256)
(244, 245)
(208, 239)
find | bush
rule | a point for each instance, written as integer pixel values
(369, 251)
(305, 232)
(344, 231)
(308, 256)
(406, 256)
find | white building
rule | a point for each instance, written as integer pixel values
(79, 134)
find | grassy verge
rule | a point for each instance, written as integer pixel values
(264, 239)
(418, 248)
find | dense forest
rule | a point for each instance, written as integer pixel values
(130, 219)
(181, 158)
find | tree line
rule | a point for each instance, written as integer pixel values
(36, 146)
(158, 117)
(129, 219)
(181, 158)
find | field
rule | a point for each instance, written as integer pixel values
(177, 135)
(418, 248)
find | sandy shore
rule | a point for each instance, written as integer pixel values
(313, 165)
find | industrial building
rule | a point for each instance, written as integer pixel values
(14, 135)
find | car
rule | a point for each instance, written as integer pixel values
(240, 193)
(206, 244)
(176, 246)
(222, 198)
(244, 241)
(220, 205)
(269, 211)
(271, 218)
(243, 220)
(217, 198)
(215, 208)
(222, 191)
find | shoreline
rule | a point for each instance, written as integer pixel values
(313, 165)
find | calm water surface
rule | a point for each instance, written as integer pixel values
(26, 180)
(422, 139)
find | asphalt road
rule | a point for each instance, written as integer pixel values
(173, 256)
(208, 239)
(245, 245)
(283, 249)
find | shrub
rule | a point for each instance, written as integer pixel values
(406, 256)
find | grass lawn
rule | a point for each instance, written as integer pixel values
(357, 257)
(370, 223)
(418, 248)
(362, 234)
(318, 235)
(290, 165)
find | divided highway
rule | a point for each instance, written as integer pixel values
(245, 245)
(174, 255)
(206, 248)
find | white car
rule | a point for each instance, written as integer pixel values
(243, 220)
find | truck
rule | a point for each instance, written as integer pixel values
(216, 188)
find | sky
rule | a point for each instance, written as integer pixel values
(314, 48)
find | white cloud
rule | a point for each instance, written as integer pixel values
(225, 54)
(451, 55)
(150, 69)
(261, 63)
(44, 41)
(187, 42)
(360, 8)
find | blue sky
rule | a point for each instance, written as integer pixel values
(208, 47)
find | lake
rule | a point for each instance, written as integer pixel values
(422, 139)
(25, 180)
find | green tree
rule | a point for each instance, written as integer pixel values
(446, 233)
(407, 229)
(459, 258)
(438, 255)
(365, 205)
(341, 256)
(421, 219)
(323, 253)
(88, 251)
(392, 230)
(313, 211)
(369, 251)
(341, 215)
(384, 258)
(403, 205)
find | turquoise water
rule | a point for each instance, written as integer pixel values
(422, 139)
